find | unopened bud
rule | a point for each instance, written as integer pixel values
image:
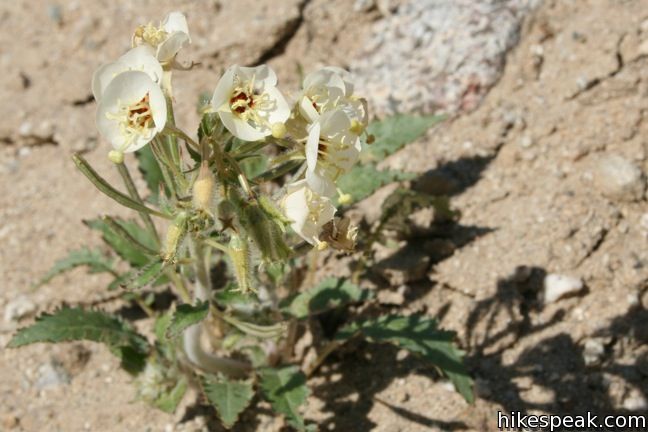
(203, 189)
(174, 235)
(278, 130)
(116, 156)
(239, 253)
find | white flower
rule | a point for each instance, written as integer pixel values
(329, 89)
(132, 110)
(331, 150)
(141, 58)
(248, 102)
(307, 210)
(167, 39)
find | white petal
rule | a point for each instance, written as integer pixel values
(312, 146)
(345, 76)
(176, 22)
(240, 128)
(319, 182)
(140, 58)
(263, 75)
(129, 88)
(223, 91)
(170, 47)
(307, 110)
(281, 109)
(102, 77)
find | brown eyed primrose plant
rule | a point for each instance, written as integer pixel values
(248, 203)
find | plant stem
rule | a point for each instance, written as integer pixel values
(191, 336)
(132, 191)
(328, 349)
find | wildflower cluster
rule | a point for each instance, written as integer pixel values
(250, 227)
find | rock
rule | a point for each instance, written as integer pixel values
(593, 351)
(51, 374)
(557, 286)
(395, 298)
(619, 179)
(635, 402)
(18, 308)
(439, 249)
(433, 54)
(10, 421)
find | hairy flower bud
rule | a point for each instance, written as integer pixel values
(173, 237)
(203, 189)
(239, 253)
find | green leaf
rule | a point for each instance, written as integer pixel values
(230, 398)
(185, 316)
(121, 244)
(394, 132)
(148, 275)
(168, 401)
(70, 324)
(254, 166)
(364, 180)
(285, 389)
(96, 261)
(420, 335)
(151, 171)
(105, 187)
(329, 294)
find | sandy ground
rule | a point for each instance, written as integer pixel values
(548, 173)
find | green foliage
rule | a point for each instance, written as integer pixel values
(95, 260)
(364, 180)
(392, 133)
(150, 274)
(285, 388)
(169, 399)
(254, 166)
(229, 397)
(185, 316)
(122, 245)
(70, 324)
(419, 335)
(151, 171)
(329, 294)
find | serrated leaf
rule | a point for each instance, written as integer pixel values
(230, 398)
(70, 324)
(150, 169)
(329, 294)
(133, 255)
(285, 389)
(364, 180)
(96, 261)
(392, 133)
(185, 316)
(150, 274)
(420, 335)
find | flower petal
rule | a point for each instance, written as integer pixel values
(172, 45)
(281, 110)
(223, 91)
(240, 128)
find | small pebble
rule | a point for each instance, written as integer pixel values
(557, 286)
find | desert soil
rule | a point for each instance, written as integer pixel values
(548, 172)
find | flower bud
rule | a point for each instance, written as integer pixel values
(173, 237)
(239, 253)
(278, 130)
(116, 156)
(203, 189)
(265, 231)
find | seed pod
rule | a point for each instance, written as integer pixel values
(265, 231)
